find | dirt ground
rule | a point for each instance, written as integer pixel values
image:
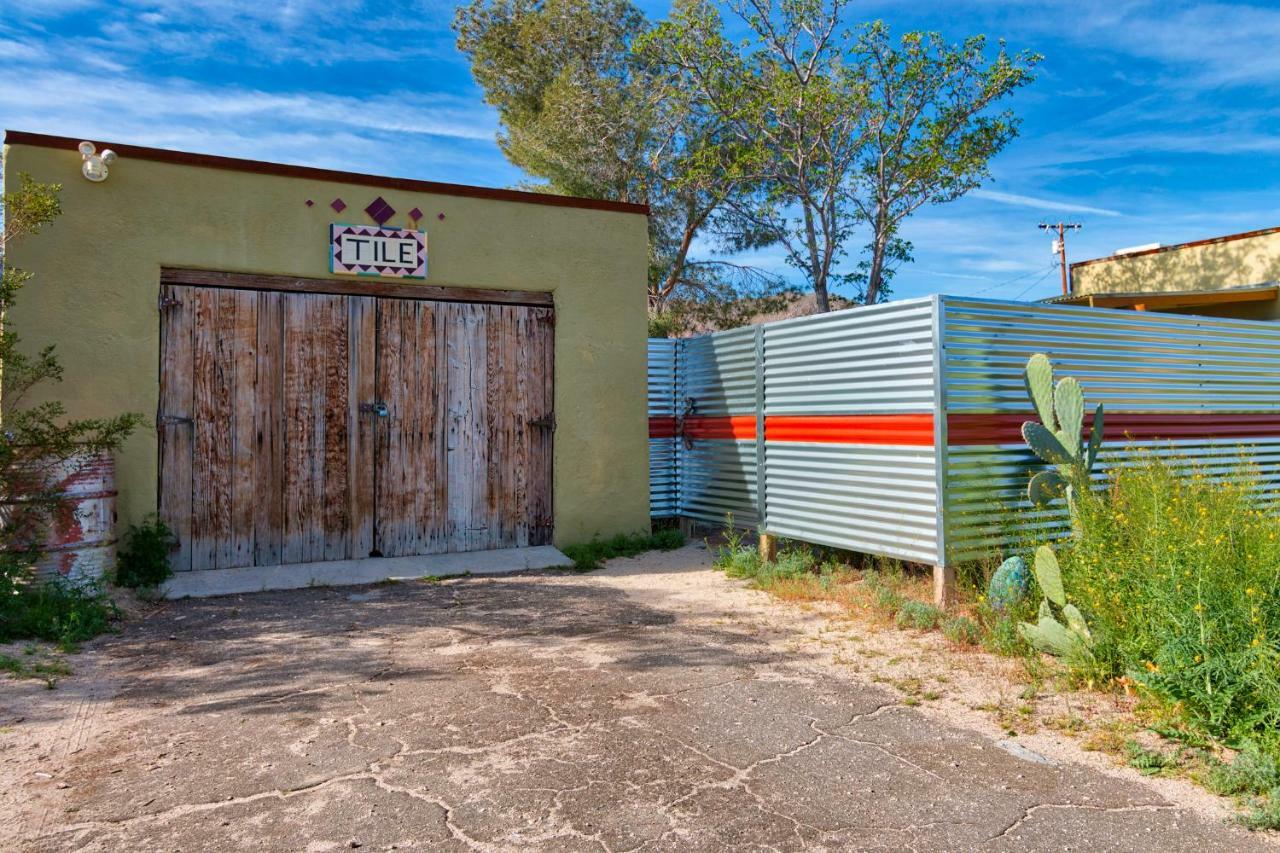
(654, 705)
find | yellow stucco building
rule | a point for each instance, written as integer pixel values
(1231, 276)
(342, 365)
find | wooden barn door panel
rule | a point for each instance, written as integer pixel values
(260, 445)
(410, 478)
(464, 455)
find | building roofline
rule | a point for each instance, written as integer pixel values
(1263, 292)
(261, 167)
(1192, 244)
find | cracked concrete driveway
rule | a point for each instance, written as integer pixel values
(612, 711)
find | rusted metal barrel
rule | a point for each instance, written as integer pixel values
(81, 541)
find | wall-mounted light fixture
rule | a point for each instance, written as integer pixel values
(95, 165)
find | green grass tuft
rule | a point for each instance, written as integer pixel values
(918, 615)
(591, 555)
(961, 630)
(57, 613)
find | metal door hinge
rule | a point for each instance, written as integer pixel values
(545, 422)
(169, 302)
(174, 420)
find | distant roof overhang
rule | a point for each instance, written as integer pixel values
(1226, 238)
(1156, 301)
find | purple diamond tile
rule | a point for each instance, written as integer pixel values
(338, 205)
(415, 214)
(379, 211)
(310, 203)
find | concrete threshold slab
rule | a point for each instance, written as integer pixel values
(353, 572)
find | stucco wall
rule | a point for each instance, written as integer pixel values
(1210, 265)
(96, 288)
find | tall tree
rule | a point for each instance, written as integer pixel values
(928, 136)
(838, 133)
(792, 108)
(581, 112)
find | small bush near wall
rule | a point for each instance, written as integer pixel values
(143, 560)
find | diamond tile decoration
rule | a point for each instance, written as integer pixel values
(338, 205)
(415, 214)
(379, 211)
(310, 203)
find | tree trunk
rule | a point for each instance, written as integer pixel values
(820, 296)
(873, 276)
(876, 273)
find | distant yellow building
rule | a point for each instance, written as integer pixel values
(1233, 276)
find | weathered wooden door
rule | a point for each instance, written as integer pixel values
(300, 427)
(464, 450)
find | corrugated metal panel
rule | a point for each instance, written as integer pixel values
(663, 456)
(858, 361)
(875, 498)
(717, 477)
(1132, 362)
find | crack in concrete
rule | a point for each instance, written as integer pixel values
(1029, 811)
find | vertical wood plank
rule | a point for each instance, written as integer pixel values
(298, 428)
(542, 402)
(269, 432)
(173, 422)
(388, 474)
(362, 347)
(468, 441)
(241, 341)
(211, 467)
(335, 394)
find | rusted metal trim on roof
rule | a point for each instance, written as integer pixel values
(261, 167)
(1244, 235)
(1154, 299)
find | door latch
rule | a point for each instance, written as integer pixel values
(544, 422)
(379, 409)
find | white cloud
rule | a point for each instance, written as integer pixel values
(1041, 203)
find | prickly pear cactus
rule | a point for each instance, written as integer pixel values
(1048, 634)
(1057, 438)
(1010, 585)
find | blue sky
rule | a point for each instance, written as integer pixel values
(1151, 121)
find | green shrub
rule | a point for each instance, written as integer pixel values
(1178, 574)
(143, 560)
(55, 612)
(1252, 772)
(961, 630)
(1001, 634)
(587, 556)
(1264, 813)
(918, 615)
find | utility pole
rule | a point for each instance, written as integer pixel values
(1060, 246)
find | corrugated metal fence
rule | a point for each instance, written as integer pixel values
(1204, 389)
(894, 429)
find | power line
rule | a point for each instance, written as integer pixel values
(1033, 284)
(1010, 281)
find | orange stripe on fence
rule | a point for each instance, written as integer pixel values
(903, 430)
(662, 427)
(974, 429)
(735, 427)
(906, 430)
